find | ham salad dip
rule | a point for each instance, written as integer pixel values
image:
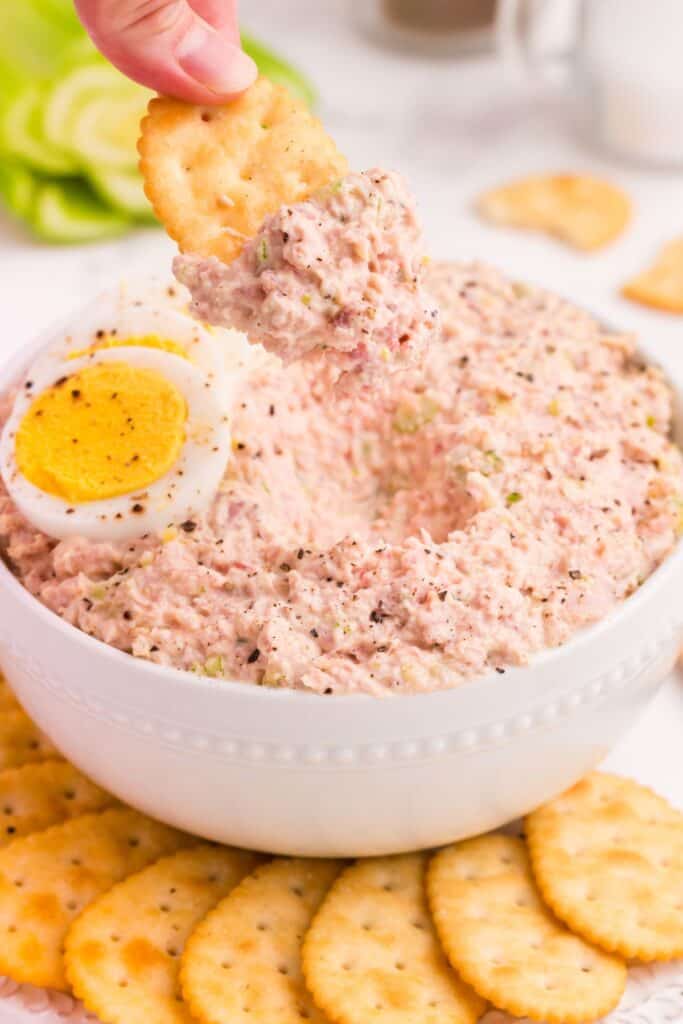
(340, 275)
(484, 504)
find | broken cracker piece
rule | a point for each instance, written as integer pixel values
(584, 211)
(661, 285)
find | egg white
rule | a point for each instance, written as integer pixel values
(183, 492)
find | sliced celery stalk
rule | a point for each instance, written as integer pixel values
(17, 188)
(94, 112)
(21, 135)
(70, 212)
(123, 190)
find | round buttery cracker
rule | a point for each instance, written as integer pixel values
(36, 796)
(584, 211)
(21, 741)
(122, 954)
(243, 963)
(660, 285)
(608, 859)
(47, 878)
(213, 173)
(372, 953)
(502, 939)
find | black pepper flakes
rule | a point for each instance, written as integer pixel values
(127, 615)
(443, 594)
(254, 656)
(285, 567)
(574, 574)
(315, 634)
(137, 508)
(189, 526)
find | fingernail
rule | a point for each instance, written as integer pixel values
(214, 62)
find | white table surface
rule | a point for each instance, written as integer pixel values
(453, 128)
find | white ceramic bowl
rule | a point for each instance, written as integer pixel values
(290, 772)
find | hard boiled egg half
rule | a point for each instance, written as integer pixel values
(121, 425)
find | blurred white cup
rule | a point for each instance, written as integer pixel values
(624, 61)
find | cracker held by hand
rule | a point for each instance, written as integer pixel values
(21, 741)
(123, 952)
(608, 859)
(501, 938)
(583, 211)
(48, 878)
(36, 796)
(243, 963)
(213, 173)
(661, 285)
(372, 954)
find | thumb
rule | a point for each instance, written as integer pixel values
(167, 46)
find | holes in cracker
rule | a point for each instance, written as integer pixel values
(8, 810)
(69, 794)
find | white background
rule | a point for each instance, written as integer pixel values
(453, 127)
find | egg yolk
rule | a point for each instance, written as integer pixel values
(107, 430)
(144, 341)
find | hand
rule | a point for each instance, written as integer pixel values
(189, 49)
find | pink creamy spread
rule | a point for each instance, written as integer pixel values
(340, 273)
(485, 506)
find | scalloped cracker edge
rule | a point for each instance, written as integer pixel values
(506, 944)
(608, 859)
(372, 952)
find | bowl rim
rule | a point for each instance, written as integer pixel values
(12, 368)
